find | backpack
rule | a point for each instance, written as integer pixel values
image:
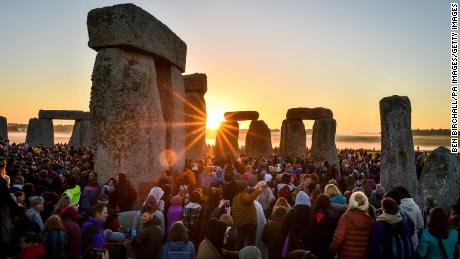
(396, 243)
(285, 192)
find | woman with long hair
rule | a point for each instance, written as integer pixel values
(55, 238)
(439, 238)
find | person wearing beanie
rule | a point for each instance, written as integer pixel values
(297, 224)
(377, 195)
(250, 252)
(272, 234)
(244, 213)
(390, 227)
(174, 211)
(69, 217)
(351, 236)
(114, 244)
(191, 217)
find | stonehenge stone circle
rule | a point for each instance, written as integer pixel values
(440, 179)
(241, 115)
(3, 128)
(127, 123)
(227, 140)
(195, 116)
(397, 151)
(258, 139)
(81, 134)
(308, 113)
(137, 96)
(172, 98)
(40, 132)
(196, 83)
(323, 141)
(293, 143)
(129, 27)
(64, 115)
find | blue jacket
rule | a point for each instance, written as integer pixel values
(381, 240)
(92, 234)
(428, 246)
(178, 250)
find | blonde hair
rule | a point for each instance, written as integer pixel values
(53, 223)
(61, 204)
(282, 202)
(331, 190)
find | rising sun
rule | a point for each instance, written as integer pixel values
(214, 118)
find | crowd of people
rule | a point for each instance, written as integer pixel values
(53, 206)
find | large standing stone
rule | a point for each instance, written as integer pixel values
(172, 97)
(241, 115)
(128, 124)
(323, 141)
(195, 119)
(293, 143)
(82, 135)
(40, 132)
(197, 83)
(258, 139)
(398, 158)
(308, 113)
(227, 140)
(3, 128)
(440, 179)
(129, 27)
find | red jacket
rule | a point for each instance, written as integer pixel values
(33, 252)
(351, 236)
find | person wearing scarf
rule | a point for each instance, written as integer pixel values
(387, 229)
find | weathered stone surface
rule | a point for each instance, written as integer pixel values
(64, 115)
(323, 141)
(40, 132)
(398, 158)
(195, 130)
(128, 125)
(227, 140)
(196, 83)
(3, 128)
(308, 113)
(440, 179)
(241, 115)
(129, 27)
(82, 135)
(293, 143)
(172, 97)
(258, 139)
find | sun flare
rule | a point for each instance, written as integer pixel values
(214, 118)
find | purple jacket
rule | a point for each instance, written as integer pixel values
(74, 238)
(174, 214)
(92, 234)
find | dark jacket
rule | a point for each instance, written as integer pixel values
(55, 244)
(381, 240)
(323, 226)
(74, 238)
(297, 223)
(147, 244)
(178, 250)
(273, 238)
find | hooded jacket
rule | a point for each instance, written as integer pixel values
(92, 234)
(352, 234)
(298, 224)
(413, 211)
(178, 250)
(148, 243)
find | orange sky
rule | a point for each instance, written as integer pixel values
(263, 56)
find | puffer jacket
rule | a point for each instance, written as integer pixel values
(352, 235)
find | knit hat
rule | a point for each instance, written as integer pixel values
(250, 252)
(302, 199)
(70, 212)
(268, 178)
(358, 200)
(114, 236)
(379, 189)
